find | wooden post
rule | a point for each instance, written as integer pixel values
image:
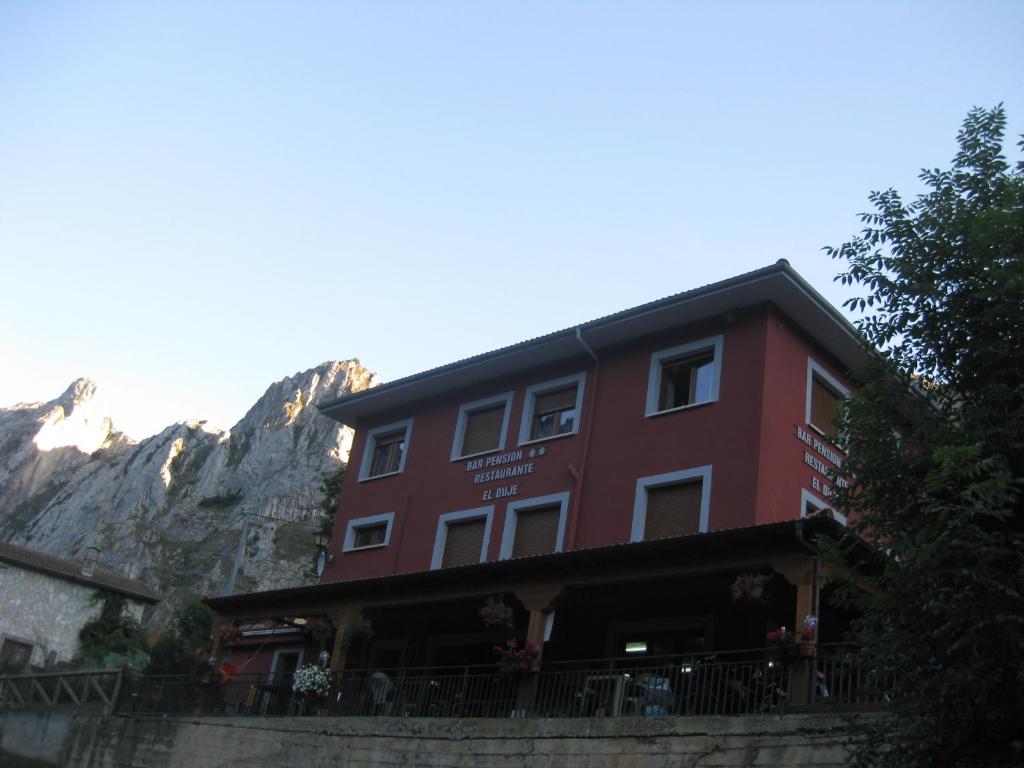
(802, 669)
(344, 619)
(540, 601)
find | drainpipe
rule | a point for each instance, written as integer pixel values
(802, 673)
(816, 575)
(579, 472)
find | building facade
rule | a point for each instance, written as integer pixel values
(604, 485)
(45, 601)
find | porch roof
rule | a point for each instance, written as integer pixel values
(695, 553)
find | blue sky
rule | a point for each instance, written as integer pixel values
(197, 199)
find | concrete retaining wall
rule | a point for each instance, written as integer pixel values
(312, 742)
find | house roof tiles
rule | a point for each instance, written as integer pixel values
(71, 570)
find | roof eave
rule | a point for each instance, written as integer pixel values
(778, 284)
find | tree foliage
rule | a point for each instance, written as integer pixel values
(935, 440)
(184, 648)
(113, 638)
(330, 496)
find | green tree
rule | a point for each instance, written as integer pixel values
(113, 638)
(330, 496)
(184, 648)
(935, 438)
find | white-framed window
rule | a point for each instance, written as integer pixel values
(672, 504)
(684, 376)
(368, 532)
(813, 505)
(385, 450)
(552, 409)
(534, 526)
(462, 537)
(482, 426)
(824, 391)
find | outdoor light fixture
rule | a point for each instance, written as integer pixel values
(686, 669)
(636, 647)
(323, 540)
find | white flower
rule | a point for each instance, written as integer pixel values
(312, 678)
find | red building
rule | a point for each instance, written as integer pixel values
(607, 483)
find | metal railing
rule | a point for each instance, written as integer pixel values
(729, 683)
(736, 683)
(101, 686)
(465, 691)
(839, 680)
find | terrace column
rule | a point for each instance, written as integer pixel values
(801, 575)
(540, 601)
(344, 620)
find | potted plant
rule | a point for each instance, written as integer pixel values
(515, 660)
(792, 644)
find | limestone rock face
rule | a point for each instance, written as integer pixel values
(169, 509)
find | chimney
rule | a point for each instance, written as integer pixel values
(92, 556)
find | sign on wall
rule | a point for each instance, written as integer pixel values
(503, 466)
(823, 460)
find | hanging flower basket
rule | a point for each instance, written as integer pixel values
(320, 628)
(749, 587)
(312, 680)
(497, 613)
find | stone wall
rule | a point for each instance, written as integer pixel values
(815, 741)
(46, 612)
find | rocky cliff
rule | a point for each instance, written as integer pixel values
(169, 509)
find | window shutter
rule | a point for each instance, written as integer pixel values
(536, 531)
(673, 510)
(483, 430)
(462, 543)
(824, 408)
(558, 400)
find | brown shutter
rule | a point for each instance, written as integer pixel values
(462, 542)
(536, 531)
(824, 408)
(558, 400)
(483, 430)
(673, 510)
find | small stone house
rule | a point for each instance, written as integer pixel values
(45, 601)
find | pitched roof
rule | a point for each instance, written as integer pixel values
(777, 284)
(71, 570)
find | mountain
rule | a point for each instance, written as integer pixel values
(168, 510)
